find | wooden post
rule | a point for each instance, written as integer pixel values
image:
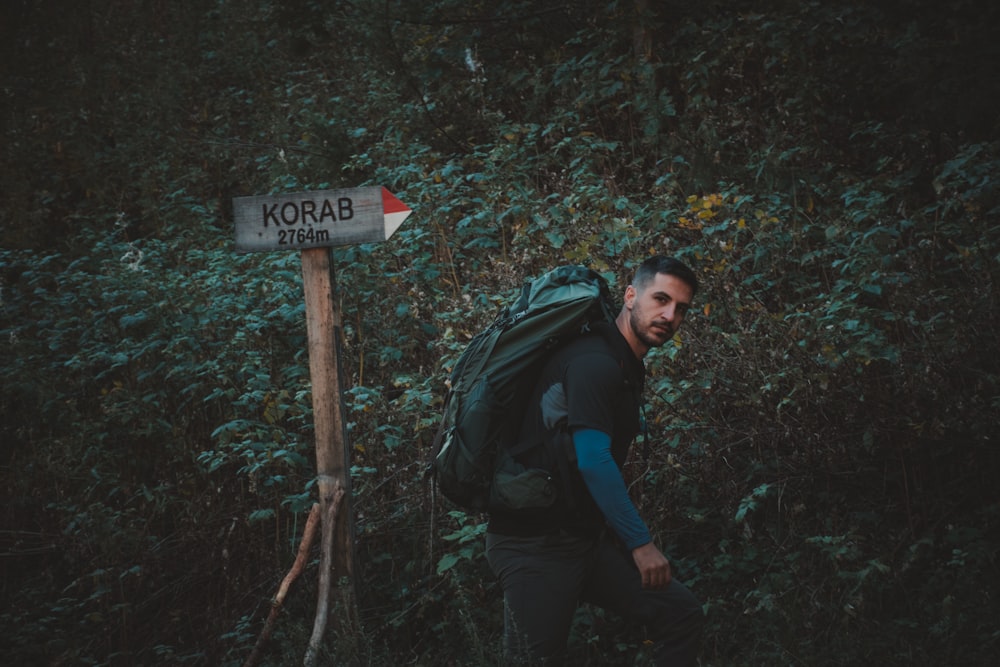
(332, 453)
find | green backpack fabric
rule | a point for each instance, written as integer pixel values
(496, 374)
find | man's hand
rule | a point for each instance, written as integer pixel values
(653, 566)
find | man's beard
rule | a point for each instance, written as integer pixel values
(653, 335)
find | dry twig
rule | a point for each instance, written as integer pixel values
(297, 567)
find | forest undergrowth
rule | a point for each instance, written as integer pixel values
(822, 448)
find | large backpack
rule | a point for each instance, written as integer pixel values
(496, 374)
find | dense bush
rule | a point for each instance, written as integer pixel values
(821, 460)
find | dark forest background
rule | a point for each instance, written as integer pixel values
(824, 460)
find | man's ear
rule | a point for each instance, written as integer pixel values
(630, 295)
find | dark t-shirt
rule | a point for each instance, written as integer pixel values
(594, 382)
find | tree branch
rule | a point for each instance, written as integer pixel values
(326, 567)
(297, 567)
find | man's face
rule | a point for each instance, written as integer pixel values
(657, 312)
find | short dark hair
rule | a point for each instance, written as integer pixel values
(671, 266)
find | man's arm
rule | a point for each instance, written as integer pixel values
(606, 486)
(605, 483)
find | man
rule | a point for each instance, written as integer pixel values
(591, 545)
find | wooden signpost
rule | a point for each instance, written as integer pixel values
(313, 222)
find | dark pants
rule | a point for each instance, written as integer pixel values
(545, 578)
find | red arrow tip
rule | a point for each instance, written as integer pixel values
(390, 204)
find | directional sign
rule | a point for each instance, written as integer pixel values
(316, 219)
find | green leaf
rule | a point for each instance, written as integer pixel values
(447, 562)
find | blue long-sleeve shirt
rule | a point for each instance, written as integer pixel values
(607, 487)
